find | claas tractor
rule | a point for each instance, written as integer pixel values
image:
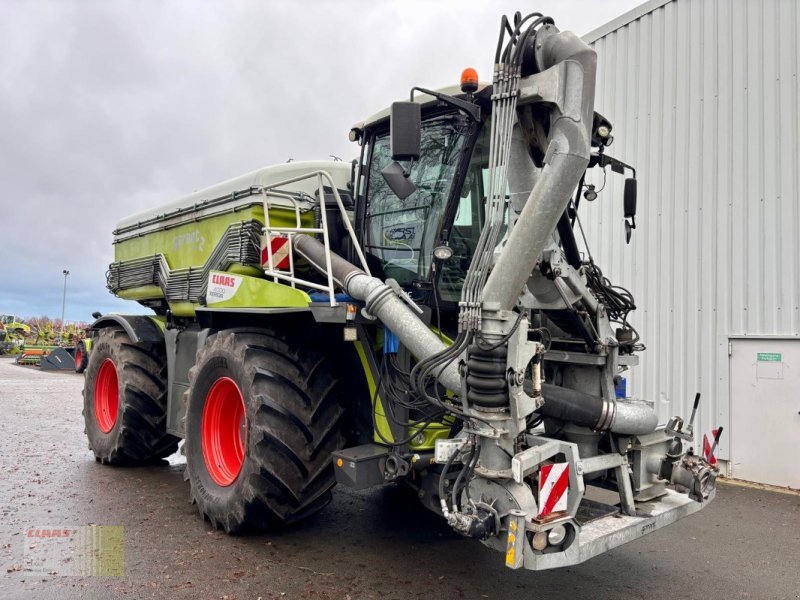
(12, 334)
(425, 315)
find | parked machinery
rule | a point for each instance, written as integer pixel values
(422, 315)
(12, 334)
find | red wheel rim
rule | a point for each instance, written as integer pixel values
(224, 431)
(106, 396)
(78, 357)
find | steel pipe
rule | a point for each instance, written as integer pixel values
(382, 302)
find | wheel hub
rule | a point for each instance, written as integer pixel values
(224, 431)
(106, 396)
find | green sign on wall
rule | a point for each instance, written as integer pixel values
(769, 357)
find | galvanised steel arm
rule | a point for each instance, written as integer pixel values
(566, 82)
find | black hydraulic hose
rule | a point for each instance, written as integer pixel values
(460, 478)
(577, 201)
(568, 243)
(472, 469)
(443, 476)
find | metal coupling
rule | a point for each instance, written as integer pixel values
(478, 525)
(696, 475)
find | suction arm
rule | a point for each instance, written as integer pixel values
(565, 82)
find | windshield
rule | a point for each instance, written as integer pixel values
(401, 233)
(469, 219)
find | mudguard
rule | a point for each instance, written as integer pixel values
(140, 328)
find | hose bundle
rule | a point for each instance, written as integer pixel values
(505, 91)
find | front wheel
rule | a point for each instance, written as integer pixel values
(262, 420)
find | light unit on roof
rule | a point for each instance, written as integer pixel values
(469, 80)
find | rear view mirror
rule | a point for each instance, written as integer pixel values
(398, 180)
(405, 122)
(630, 208)
(630, 199)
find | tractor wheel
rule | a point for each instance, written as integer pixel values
(262, 420)
(81, 359)
(125, 400)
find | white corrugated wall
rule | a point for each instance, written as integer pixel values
(703, 95)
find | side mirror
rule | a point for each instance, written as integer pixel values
(398, 180)
(405, 122)
(629, 200)
(405, 140)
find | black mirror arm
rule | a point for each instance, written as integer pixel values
(604, 160)
(472, 110)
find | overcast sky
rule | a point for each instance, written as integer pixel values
(108, 108)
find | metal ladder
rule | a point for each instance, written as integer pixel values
(272, 232)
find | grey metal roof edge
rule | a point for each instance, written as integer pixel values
(622, 20)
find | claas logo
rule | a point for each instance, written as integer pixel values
(225, 280)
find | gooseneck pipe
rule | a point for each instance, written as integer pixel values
(566, 158)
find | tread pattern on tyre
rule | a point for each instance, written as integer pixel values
(140, 433)
(294, 421)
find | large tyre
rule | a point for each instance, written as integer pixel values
(81, 358)
(262, 419)
(125, 400)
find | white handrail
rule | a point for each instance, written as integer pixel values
(274, 231)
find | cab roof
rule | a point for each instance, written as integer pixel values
(426, 100)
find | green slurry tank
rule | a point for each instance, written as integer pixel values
(164, 258)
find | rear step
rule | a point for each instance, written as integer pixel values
(601, 534)
(591, 510)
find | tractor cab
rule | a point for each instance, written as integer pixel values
(426, 240)
(419, 219)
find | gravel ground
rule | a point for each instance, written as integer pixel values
(376, 544)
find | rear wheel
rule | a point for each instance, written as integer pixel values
(81, 358)
(262, 420)
(125, 400)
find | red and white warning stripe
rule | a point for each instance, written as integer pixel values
(280, 253)
(708, 441)
(553, 488)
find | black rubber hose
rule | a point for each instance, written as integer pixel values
(570, 405)
(622, 417)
